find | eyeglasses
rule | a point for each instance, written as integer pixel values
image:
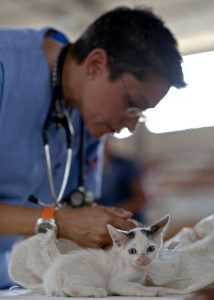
(132, 110)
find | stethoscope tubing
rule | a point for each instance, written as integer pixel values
(57, 198)
(69, 131)
(59, 115)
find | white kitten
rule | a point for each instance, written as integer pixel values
(120, 270)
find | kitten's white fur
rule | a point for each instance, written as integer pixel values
(117, 271)
(31, 257)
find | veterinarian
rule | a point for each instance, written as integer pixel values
(57, 99)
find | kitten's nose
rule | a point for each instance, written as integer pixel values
(142, 258)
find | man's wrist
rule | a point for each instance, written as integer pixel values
(47, 221)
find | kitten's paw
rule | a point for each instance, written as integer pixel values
(161, 292)
(149, 292)
(139, 293)
(155, 291)
(167, 291)
(87, 292)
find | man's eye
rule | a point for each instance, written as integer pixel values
(132, 251)
(130, 103)
(151, 249)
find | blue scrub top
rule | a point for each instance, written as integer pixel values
(117, 180)
(25, 97)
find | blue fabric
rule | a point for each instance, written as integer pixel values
(58, 36)
(5, 280)
(25, 97)
(116, 184)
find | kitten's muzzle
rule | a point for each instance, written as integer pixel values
(142, 260)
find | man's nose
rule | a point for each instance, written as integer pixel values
(131, 123)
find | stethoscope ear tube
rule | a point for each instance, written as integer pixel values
(68, 129)
(65, 177)
(57, 198)
(49, 173)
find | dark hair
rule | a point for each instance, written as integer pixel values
(136, 42)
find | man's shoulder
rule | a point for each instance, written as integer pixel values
(21, 38)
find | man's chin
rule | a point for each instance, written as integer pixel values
(98, 133)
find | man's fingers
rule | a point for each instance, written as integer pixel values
(120, 212)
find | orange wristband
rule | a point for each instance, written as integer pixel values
(48, 212)
(47, 220)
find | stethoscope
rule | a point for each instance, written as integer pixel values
(59, 115)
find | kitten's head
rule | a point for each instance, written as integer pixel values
(139, 246)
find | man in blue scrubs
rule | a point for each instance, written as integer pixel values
(123, 64)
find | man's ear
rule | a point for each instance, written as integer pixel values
(96, 63)
(118, 237)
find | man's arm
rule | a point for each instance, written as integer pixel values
(86, 226)
(17, 220)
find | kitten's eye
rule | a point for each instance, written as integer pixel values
(132, 251)
(151, 249)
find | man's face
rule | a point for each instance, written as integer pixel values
(109, 106)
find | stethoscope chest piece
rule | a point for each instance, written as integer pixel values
(80, 197)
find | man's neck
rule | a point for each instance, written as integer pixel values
(51, 49)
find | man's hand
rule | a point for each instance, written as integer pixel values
(87, 226)
(204, 294)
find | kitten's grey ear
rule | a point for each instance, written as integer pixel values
(160, 226)
(118, 237)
